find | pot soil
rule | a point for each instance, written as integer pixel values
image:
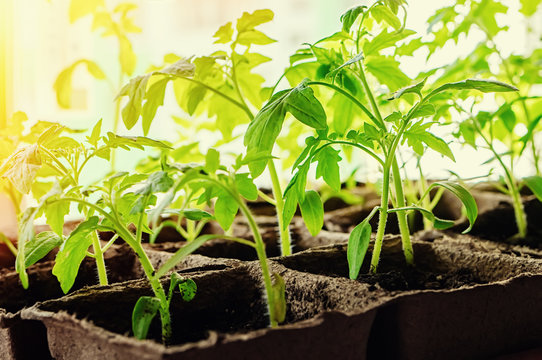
(326, 318)
(455, 303)
(121, 264)
(220, 248)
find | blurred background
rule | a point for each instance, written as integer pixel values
(41, 38)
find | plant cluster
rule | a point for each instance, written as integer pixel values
(347, 93)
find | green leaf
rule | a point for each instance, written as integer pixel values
(312, 211)
(355, 59)
(80, 8)
(73, 252)
(290, 207)
(63, 82)
(414, 89)
(263, 131)
(387, 72)
(254, 37)
(528, 7)
(485, 86)
(196, 214)
(95, 135)
(154, 99)
(535, 184)
(358, 243)
(224, 34)
(212, 161)
(383, 13)
(385, 40)
(328, 167)
(225, 210)
(508, 117)
(350, 16)
(55, 212)
(249, 21)
(135, 90)
(439, 224)
(187, 287)
(26, 234)
(127, 57)
(40, 246)
(145, 310)
(246, 187)
(423, 111)
(463, 195)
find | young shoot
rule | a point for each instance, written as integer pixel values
(230, 188)
(379, 136)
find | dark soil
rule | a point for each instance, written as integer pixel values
(228, 300)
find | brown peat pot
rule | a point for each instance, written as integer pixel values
(457, 303)
(170, 241)
(22, 339)
(326, 318)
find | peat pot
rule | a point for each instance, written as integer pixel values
(456, 303)
(326, 318)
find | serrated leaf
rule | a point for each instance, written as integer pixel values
(383, 13)
(463, 195)
(485, 86)
(358, 243)
(37, 248)
(144, 312)
(423, 111)
(328, 167)
(535, 184)
(387, 72)
(154, 99)
(312, 211)
(225, 210)
(263, 131)
(187, 287)
(135, 90)
(224, 34)
(249, 21)
(246, 187)
(385, 40)
(73, 252)
(350, 16)
(415, 89)
(95, 135)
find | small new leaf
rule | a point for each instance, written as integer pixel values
(328, 167)
(145, 310)
(358, 243)
(312, 211)
(416, 89)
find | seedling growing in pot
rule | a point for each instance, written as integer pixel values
(379, 136)
(488, 127)
(222, 86)
(66, 159)
(519, 113)
(230, 188)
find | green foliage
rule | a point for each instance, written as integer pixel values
(358, 243)
(73, 252)
(144, 311)
(265, 128)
